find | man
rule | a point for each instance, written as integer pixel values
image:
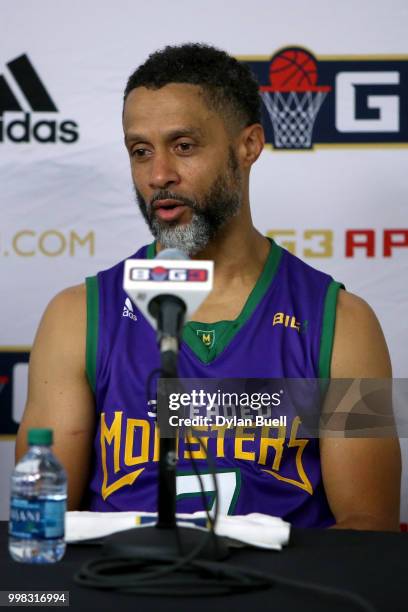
(191, 121)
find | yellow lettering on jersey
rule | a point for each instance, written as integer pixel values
(206, 338)
(198, 452)
(242, 436)
(300, 444)
(277, 443)
(220, 433)
(156, 443)
(278, 318)
(144, 426)
(245, 448)
(109, 435)
(294, 324)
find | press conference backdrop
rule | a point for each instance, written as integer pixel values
(331, 184)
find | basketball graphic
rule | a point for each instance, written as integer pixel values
(293, 97)
(293, 70)
(159, 273)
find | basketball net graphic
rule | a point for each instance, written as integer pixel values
(293, 99)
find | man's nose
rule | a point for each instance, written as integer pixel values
(163, 171)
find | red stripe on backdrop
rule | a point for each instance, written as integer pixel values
(404, 527)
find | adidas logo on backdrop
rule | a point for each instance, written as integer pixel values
(24, 89)
(128, 310)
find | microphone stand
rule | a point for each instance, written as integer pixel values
(166, 495)
(166, 537)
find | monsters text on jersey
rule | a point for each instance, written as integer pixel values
(128, 446)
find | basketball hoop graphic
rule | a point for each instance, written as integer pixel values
(293, 99)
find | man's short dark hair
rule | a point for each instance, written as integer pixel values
(227, 85)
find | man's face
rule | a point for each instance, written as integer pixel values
(185, 172)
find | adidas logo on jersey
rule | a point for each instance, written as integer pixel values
(23, 91)
(128, 310)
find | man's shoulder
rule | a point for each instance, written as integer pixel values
(62, 329)
(66, 312)
(353, 306)
(354, 314)
(359, 348)
(73, 297)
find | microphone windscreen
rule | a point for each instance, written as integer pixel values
(172, 254)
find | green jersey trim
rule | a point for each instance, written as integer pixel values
(92, 320)
(328, 324)
(225, 331)
(151, 251)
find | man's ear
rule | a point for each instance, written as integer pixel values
(250, 144)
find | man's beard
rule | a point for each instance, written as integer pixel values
(209, 215)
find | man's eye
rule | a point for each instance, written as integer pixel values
(139, 153)
(184, 147)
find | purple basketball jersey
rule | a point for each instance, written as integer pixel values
(284, 330)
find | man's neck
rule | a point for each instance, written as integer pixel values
(239, 253)
(238, 257)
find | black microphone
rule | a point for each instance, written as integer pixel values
(169, 310)
(168, 290)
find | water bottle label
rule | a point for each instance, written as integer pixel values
(34, 519)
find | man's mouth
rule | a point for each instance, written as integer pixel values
(169, 210)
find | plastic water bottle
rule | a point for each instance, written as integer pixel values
(38, 503)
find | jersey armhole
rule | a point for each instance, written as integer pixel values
(92, 319)
(328, 324)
